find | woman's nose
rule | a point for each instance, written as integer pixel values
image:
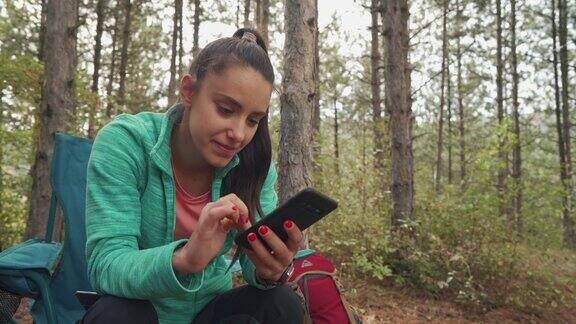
(236, 131)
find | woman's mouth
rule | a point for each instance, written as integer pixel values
(224, 150)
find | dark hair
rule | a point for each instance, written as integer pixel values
(245, 180)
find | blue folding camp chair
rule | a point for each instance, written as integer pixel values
(51, 272)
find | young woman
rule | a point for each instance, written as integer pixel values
(167, 193)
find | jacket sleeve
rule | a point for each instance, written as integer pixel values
(268, 201)
(116, 264)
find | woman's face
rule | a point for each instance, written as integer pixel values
(223, 114)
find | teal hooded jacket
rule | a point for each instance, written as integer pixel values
(130, 219)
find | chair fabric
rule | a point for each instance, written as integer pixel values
(61, 266)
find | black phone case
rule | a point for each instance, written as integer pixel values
(305, 208)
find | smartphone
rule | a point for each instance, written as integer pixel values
(305, 208)
(87, 298)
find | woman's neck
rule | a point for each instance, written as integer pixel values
(185, 155)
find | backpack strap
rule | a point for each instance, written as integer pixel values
(304, 301)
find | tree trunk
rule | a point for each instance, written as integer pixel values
(440, 142)
(246, 13)
(42, 36)
(375, 62)
(502, 156)
(316, 147)
(449, 116)
(100, 6)
(297, 99)
(461, 129)
(1, 161)
(568, 221)
(110, 86)
(336, 148)
(124, 54)
(397, 81)
(265, 19)
(180, 43)
(172, 82)
(516, 153)
(258, 14)
(57, 104)
(197, 13)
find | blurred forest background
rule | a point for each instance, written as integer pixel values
(442, 127)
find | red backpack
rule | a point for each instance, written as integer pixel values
(313, 279)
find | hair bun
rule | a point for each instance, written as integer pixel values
(250, 37)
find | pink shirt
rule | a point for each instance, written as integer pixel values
(188, 210)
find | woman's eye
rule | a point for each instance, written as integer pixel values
(253, 122)
(225, 111)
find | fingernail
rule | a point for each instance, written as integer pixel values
(263, 230)
(246, 219)
(288, 224)
(234, 208)
(251, 237)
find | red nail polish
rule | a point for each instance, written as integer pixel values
(288, 224)
(246, 219)
(263, 230)
(251, 237)
(234, 208)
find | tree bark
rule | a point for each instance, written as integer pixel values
(461, 129)
(265, 19)
(375, 62)
(2, 130)
(172, 82)
(517, 152)
(246, 13)
(258, 14)
(502, 156)
(124, 53)
(197, 13)
(440, 141)
(397, 81)
(42, 36)
(100, 6)
(449, 116)
(336, 147)
(110, 86)
(568, 221)
(180, 42)
(297, 99)
(316, 148)
(57, 104)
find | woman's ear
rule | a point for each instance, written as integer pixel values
(187, 89)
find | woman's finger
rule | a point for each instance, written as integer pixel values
(242, 208)
(281, 252)
(228, 210)
(295, 235)
(263, 255)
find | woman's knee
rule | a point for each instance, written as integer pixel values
(111, 309)
(287, 302)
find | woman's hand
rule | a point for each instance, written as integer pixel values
(216, 220)
(271, 264)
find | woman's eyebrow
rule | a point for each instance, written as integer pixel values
(235, 103)
(229, 100)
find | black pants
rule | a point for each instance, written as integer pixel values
(243, 305)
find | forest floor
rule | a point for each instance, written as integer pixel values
(389, 305)
(378, 305)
